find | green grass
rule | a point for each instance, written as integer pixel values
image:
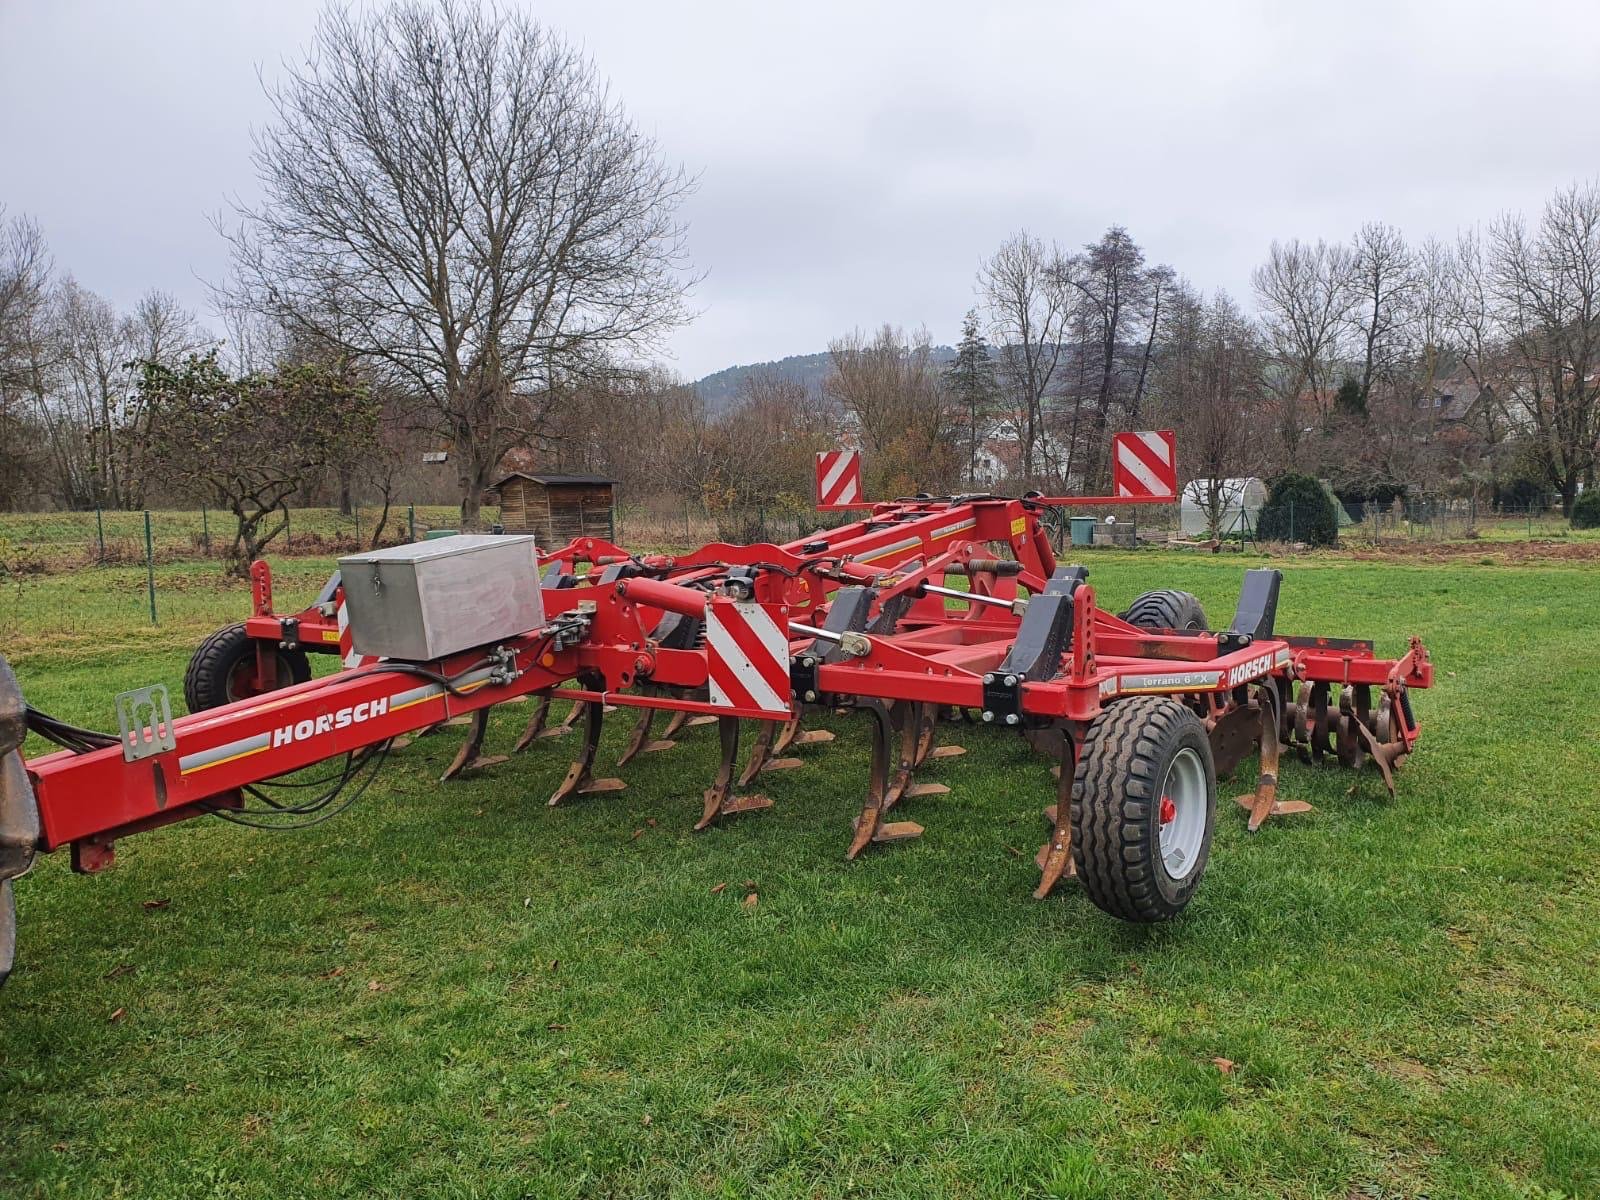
(455, 991)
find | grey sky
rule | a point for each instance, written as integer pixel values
(857, 160)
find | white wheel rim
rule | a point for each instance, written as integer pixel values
(1182, 813)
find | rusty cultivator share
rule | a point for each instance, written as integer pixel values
(922, 614)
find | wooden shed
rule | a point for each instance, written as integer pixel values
(557, 508)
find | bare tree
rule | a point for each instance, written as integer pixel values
(1303, 290)
(1209, 384)
(1383, 284)
(25, 350)
(453, 197)
(889, 384)
(1120, 300)
(1025, 293)
(1546, 283)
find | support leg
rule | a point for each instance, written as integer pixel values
(718, 801)
(471, 757)
(1264, 802)
(870, 826)
(1055, 856)
(580, 779)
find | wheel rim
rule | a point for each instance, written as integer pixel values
(1183, 813)
(243, 680)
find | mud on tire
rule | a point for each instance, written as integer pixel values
(1136, 755)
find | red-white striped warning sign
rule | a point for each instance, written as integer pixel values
(1145, 465)
(747, 657)
(838, 478)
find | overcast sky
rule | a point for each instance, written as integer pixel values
(857, 160)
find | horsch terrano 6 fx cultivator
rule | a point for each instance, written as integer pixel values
(922, 612)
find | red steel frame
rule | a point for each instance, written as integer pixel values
(937, 654)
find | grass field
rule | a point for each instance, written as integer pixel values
(454, 991)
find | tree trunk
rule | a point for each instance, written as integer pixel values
(473, 471)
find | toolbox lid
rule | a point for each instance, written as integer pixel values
(445, 547)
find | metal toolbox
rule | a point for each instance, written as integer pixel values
(425, 600)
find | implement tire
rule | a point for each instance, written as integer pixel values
(1166, 609)
(1144, 797)
(223, 670)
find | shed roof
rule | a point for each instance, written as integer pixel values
(553, 479)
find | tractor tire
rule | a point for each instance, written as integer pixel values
(223, 670)
(1166, 609)
(1144, 798)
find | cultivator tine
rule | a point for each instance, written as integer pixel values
(580, 779)
(401, 742)
(761, 752)
(1055, 859)
(718, 800)
(639, 738)
(471, 757)
(569, 722)
(790, 735)
(870, 827)
(1264, 802)
(680, 718)
(536, 723)
(773, 739)
(916, 721)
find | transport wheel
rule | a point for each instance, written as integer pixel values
(1144, 796)
(223, 670)
(1166, 609)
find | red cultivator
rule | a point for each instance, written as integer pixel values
(924, 612)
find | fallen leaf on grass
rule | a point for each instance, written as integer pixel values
(1225, 1065)
(333, 973)
(555, 1027)
(162, 903)
(719, 889)
(374, 986)
(1014, 852)
(637, 834)
(645, 1120)
(118, 1015)
(554, 963)
(751, 900)
(119, 969)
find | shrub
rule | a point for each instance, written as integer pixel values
(1298, 509)
(1586, 510)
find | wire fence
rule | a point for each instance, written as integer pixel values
(145, 568)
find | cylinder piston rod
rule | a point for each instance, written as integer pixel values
(1018, 606)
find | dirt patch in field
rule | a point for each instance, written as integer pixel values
(1533, 551)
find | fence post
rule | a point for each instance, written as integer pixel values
(1291, 520)
(100, 532)
(288, 535)
(411, 520)
(150, 565)
(205, 528)
(355, 510)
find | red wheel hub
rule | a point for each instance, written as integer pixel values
(1169, 810)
